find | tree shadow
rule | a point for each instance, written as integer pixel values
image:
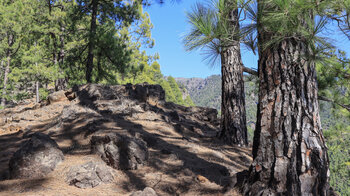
(214, 172)
(74, 135)
(25, 185)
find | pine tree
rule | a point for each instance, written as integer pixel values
(289, 152)
(176, 90)
(14, 26)
(334, 81)
(218, 30)
(114, 12)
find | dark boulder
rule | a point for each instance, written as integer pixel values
(120, 152)
(149, 93)
(175, 116)
(204, 114)
(37, 157)
(89, 175)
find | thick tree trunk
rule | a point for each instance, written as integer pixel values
(289, 152)
(233, 114)
(90, 58)
(7, 71)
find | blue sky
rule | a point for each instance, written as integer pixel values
(170, 24)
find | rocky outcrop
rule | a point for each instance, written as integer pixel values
(146, 192)
(73, 111)
(142, 92)
(89, 175)
(37, 157)
(120, 152)
(152, 94)
(128, 127)
(57, 97)
(204, 114)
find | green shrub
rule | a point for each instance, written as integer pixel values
(338, 142)
(43, 93)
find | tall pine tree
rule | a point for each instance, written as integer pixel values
(289, 152)
(100, 13)
(218, 31)
(15, 22)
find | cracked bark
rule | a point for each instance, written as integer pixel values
(233, 114)
(289, 151)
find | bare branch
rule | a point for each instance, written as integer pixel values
(250, 71)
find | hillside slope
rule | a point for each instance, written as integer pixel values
(185, 158)
(207, 93)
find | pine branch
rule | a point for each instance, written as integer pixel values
(320, 97)
(250, 71)
(323, 98)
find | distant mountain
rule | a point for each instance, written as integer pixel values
(206, 92)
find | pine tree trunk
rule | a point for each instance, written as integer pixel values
(61, 83)
(99, 68)
(1, 68)
(7, 71)
(37, 94)
(90, 58)
(289, 152)
(233, 114)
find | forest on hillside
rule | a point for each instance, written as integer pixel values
(48, 45)
(294, 109)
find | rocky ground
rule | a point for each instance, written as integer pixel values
(115, 140)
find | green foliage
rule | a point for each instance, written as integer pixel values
(152, 75)
(338, 142)
(21, 95)
(44, 93)
(334, 81)
(250, 131)
(51, 43)
(211, 28)
(144, 68)
(169, 95)
(284, 22)
(15, 22)
(175, 90)
(188, 101)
